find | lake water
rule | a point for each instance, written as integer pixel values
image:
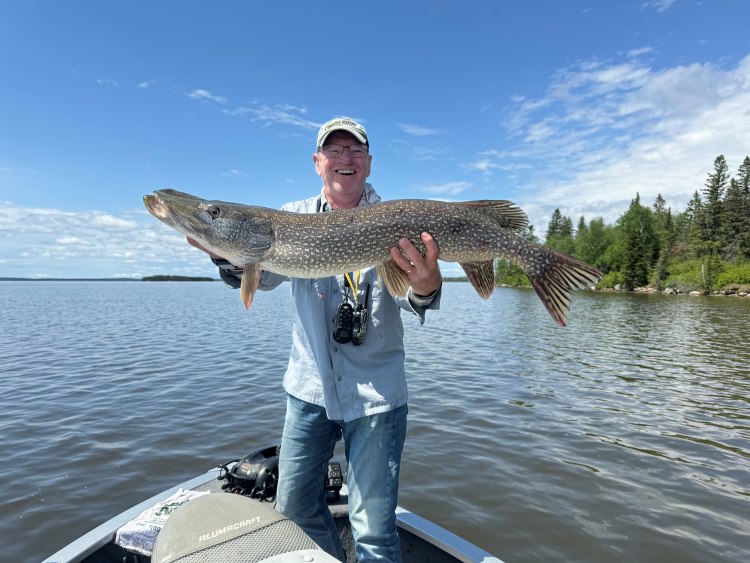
(623, 437)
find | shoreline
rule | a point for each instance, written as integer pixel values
(739, 291)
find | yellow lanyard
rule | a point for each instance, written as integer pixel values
(355, 288)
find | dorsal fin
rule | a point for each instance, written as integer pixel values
(503, 211)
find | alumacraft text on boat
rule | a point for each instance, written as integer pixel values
(229, 528)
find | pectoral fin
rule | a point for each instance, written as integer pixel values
(482, 277)
(396, 280)
(250, 281)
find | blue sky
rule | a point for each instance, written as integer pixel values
(576, 105)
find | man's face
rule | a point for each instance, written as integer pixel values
(344, 174)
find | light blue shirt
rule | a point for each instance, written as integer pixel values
(349, 381)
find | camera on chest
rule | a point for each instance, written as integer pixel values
(350, 324)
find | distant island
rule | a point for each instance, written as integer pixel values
(69, 279)
(146, 278)
(176, 278)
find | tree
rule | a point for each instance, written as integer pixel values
(560, 233)
(734, 224)
(690, 232)
(743, 182)
(635, 270)
(664, 231)
(555, 224)
(711, 216)
(507, 272)
(591, 241)
(601, 238)
(641, 245)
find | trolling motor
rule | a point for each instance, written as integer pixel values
(257, 475)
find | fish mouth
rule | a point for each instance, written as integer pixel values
(156, 206)
(160, 201)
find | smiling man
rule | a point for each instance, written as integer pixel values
(346, 376)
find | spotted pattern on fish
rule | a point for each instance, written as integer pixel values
(472, 233)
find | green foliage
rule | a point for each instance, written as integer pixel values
(684, 274)
(507, 273)
(711, 269)
(612, 279)
(560, 233)
(705, 246)
(689, 274)
(734, 274)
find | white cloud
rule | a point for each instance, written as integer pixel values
(58, 243)
(206, 96)
(285, 114)
(146, 84)
(108, 82)
(110, 223)
(633, 53)
(659, 5)
(73, 241)
(418, 130)
(603, 132)
(449, 188)
(233, 173)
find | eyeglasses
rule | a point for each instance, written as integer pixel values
(336, 151)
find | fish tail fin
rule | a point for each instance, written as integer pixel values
(555, 282)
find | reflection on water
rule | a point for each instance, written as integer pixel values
(622, 437)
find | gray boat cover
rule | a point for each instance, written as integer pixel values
(229, 528)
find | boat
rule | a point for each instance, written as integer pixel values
(254, 477)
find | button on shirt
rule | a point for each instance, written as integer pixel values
(349, 381)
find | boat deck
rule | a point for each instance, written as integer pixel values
(421, 540)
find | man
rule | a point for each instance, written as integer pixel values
(339, 385)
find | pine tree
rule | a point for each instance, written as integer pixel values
(665, 238)
(690, 233)
(711, 217)
(555, 224)
(734, 219)
(560, 233)
(743, 181)
(641, 244)
(635, 271)
(583, 241)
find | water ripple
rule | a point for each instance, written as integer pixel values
(622, 437)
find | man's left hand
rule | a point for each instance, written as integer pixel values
(423, 270)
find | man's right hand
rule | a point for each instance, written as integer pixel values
(199, 246)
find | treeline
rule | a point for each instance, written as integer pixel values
(706, 246)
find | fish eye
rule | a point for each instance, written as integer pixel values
(214, 211)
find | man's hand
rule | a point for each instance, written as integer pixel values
(423, 271)
(198, 245)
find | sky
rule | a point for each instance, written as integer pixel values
(576, 105)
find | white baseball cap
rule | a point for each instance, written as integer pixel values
(342, 124)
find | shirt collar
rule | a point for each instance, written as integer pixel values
(369, 196)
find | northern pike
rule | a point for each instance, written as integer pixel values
(316, 245)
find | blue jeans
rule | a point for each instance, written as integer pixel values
(373, 446)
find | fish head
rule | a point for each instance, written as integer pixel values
(242, 234)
